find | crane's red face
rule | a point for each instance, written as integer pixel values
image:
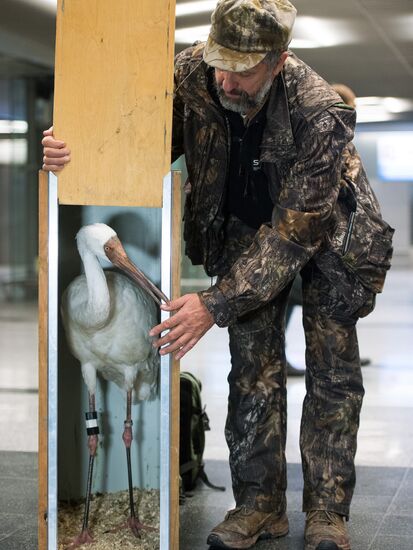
(116, 254)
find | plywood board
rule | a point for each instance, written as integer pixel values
(113, 99)
(43, 346)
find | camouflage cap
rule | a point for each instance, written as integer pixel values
(244, 31)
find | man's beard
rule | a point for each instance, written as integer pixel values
(245, 102)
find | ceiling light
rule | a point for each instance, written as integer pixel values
(373, 114)
(303, 44)
(397, 104)
(381, 109)
(315, 32)
(189, 8)
(49, 5)
(189, 35)
(13, 126)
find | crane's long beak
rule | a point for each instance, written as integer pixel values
(117, 255)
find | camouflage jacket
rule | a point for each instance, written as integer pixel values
(306, 143)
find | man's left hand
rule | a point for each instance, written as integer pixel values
(189, 323)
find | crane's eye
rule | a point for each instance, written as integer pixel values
(107, 248)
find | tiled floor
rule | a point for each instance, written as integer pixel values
(382, 516)
(18, 501)
(381, 519)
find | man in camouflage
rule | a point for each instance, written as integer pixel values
(305, 137)
(275, 188)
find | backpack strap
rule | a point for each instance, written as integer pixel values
(188, 466)
(202, 475)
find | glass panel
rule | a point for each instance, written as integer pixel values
(21, 122)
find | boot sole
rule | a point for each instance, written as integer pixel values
(327, 545)
(215, 542)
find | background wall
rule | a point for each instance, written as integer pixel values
(395, 196)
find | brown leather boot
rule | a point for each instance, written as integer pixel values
(242, 527)
(325, 531)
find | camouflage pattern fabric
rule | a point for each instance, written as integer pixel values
(243, 32)
(366, 249)
(305, 142)
(331, 408)
(327, 225)
(257, 419)
(256, 422)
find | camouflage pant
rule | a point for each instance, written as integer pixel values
(256, 422)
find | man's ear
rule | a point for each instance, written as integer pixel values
(280, 64)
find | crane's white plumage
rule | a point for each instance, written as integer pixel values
(107, 320)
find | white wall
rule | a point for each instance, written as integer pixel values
(395, 197)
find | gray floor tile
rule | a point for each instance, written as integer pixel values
(402, 506)
(21, 540)
(401, 526)
(18, 465)
(295, 477)
(406, 487)
(393, 543)
(19, 496)
(362, 529)
(365, 504)
(374, 481)
(18, 531)
(18, 501)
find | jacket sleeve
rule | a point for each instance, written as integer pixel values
(309, 191)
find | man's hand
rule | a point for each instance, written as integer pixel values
(190, 322)
(55, 153)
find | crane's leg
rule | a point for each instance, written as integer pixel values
(92, 433)
(133, 521)
(127, 437)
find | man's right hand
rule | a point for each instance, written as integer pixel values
(55, 153)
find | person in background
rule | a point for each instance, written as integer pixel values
(346, 94)
(264, 139)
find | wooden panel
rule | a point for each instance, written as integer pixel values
(113, 99)
(43, 341)
(176, 292)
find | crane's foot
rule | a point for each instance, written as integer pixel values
(85, 537)
(134, 525)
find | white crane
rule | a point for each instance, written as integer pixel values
(107, 320)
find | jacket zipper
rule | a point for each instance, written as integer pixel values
(349, 232)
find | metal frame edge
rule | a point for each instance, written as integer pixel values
(166, 366)
(52, 332)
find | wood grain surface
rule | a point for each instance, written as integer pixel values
(113, 99)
